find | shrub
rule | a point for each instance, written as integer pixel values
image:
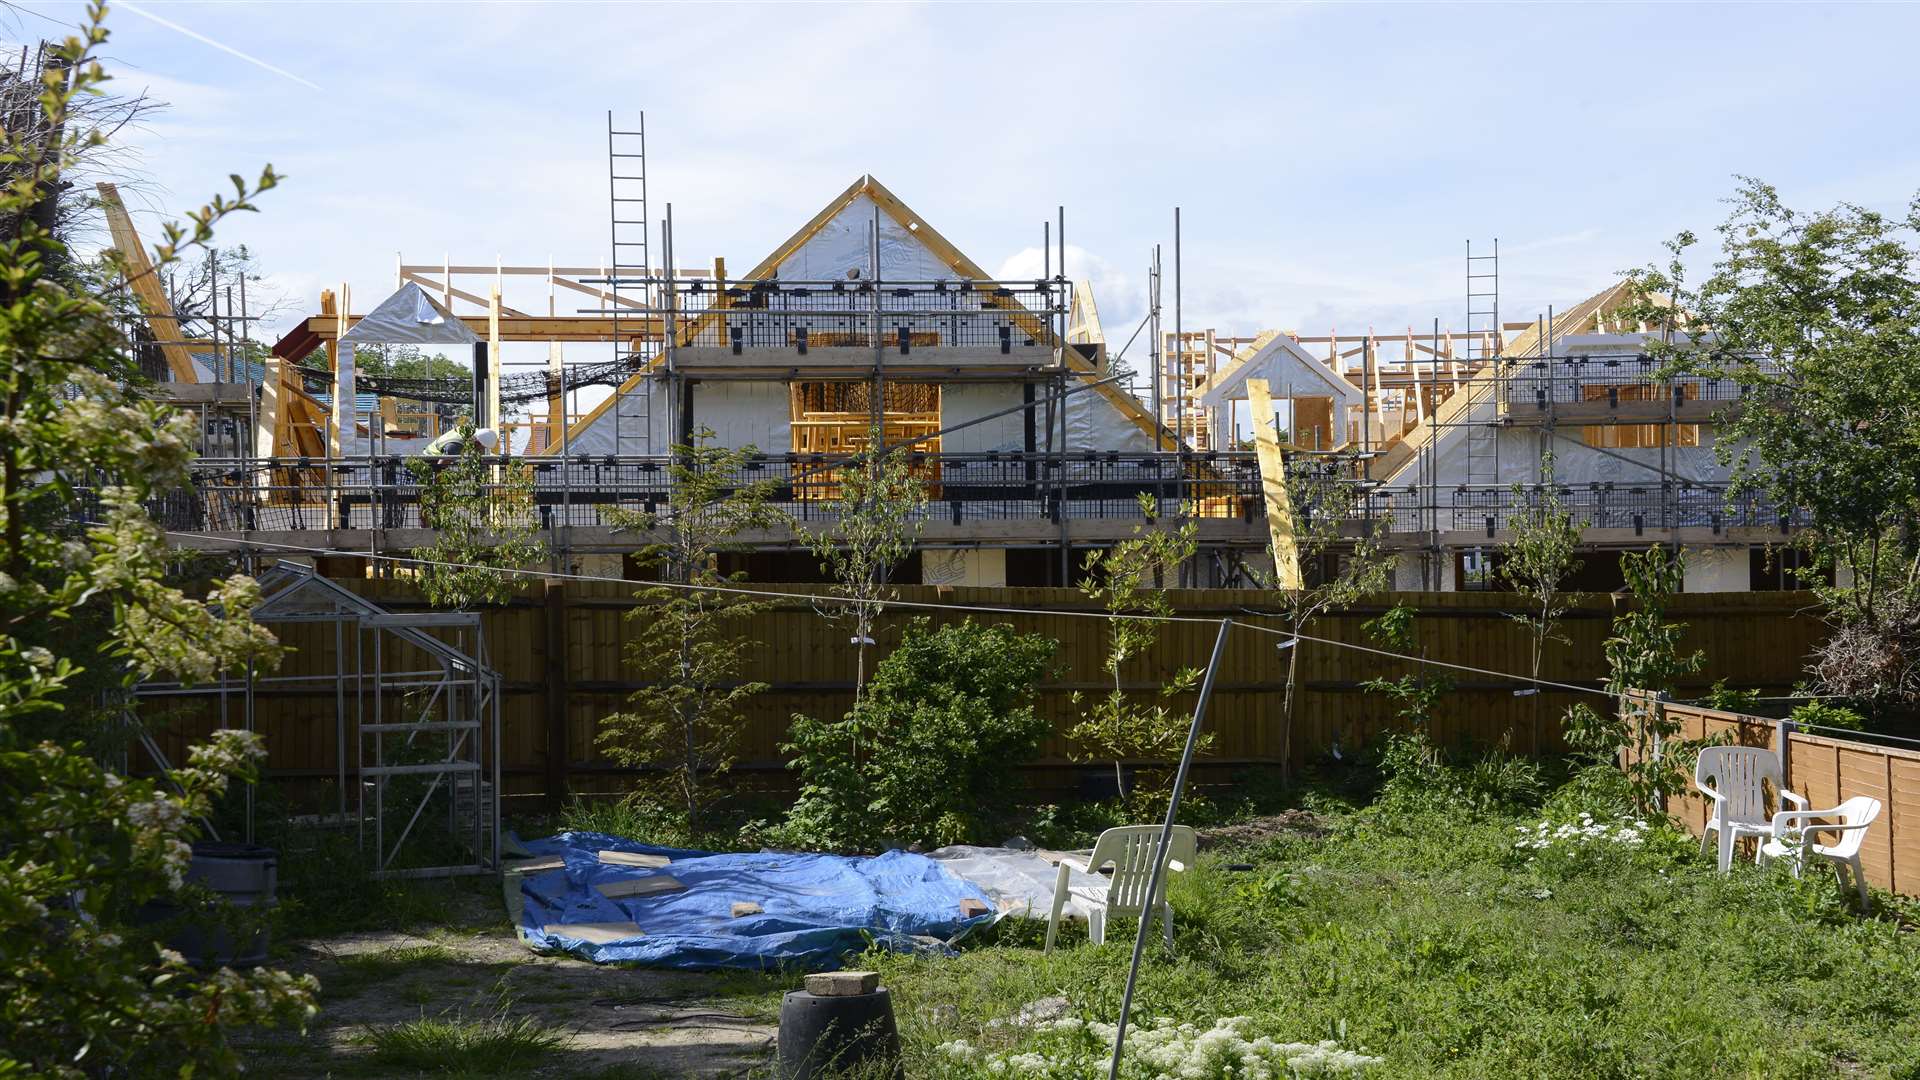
(1819, 714)
(1419, 777)
(925, 754)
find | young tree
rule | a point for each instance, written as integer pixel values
(1643, 655)
(1817, 317)
(485, 525)
(876, 521)
(687, 644)
(1415, 695)
(1535, 560)
(82, 991)
(1321, 503)
(1129, 580)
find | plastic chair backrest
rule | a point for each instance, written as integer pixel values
(1130, 849)
(1738, 773)
(1859, 810)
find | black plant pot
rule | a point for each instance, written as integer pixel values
(1097, 784)
(244, 878)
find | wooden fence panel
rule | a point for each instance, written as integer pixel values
(1826, 772)
(564, 669)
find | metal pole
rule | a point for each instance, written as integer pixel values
(674, 435)
(1166, 839)
(1153, 312)
(1180, 373)
(877, 390)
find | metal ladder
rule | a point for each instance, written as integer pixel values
(1483, 345)
(629, 269)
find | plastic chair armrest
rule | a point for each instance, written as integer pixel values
(1797, 800)
(1808, 823)
(1709, 792)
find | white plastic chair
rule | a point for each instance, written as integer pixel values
(1793, 834)
(1129, 849)
(1738, 795)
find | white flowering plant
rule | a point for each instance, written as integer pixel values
(1073, 1049)
(85, 605)
(1586, 842)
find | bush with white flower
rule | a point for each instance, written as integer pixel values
(1586, 843)
(1071, 1049)
(1583, 832)
(87, 610)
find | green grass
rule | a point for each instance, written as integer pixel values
(497, 1046)
(353, 973)
(1418, 934)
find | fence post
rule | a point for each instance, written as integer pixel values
(1783, 748)
(556, 695)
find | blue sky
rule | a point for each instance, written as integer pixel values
(1330, 159)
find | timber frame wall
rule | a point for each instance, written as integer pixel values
(560, 653)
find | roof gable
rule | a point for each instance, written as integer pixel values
(835, 240)
(1289, 369)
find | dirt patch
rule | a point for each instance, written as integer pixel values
(1259, 830)
(624, 1022)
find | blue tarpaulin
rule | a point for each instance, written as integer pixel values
(815, 908)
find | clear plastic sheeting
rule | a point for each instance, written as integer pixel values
(639, 428)
(1094, 423)
(1021, 882)
(409, 317)
(813, 910)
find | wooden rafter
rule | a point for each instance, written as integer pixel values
(144, 278)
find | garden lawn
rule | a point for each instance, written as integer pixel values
(1427, 939)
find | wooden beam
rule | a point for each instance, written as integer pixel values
(623, 301)
(492, 419)
(525, 327)
(446, 289)
(1273, 486)
(448, 269)
(144, 279)
(344, 390)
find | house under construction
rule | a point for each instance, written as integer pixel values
(867, 320)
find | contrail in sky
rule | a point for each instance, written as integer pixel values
(205, 40)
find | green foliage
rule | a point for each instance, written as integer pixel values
(1421, 778)
(926, 755)
(485, 524)
(1416, 694)
(499, 1045)
(1644, 651)
(1431, 945)
(687, 647)
(82, 991)
(1823, 714)
(1412, 763)
(407, 362)
(1128, 581)
(1726, 698)
(877, 518)
(1817, 316)
(1643, 657)
(1535, 560)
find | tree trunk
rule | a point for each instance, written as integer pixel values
(1287, 707)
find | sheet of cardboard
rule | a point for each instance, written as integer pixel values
(651, 885)
(596, 933)
(630, 858)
